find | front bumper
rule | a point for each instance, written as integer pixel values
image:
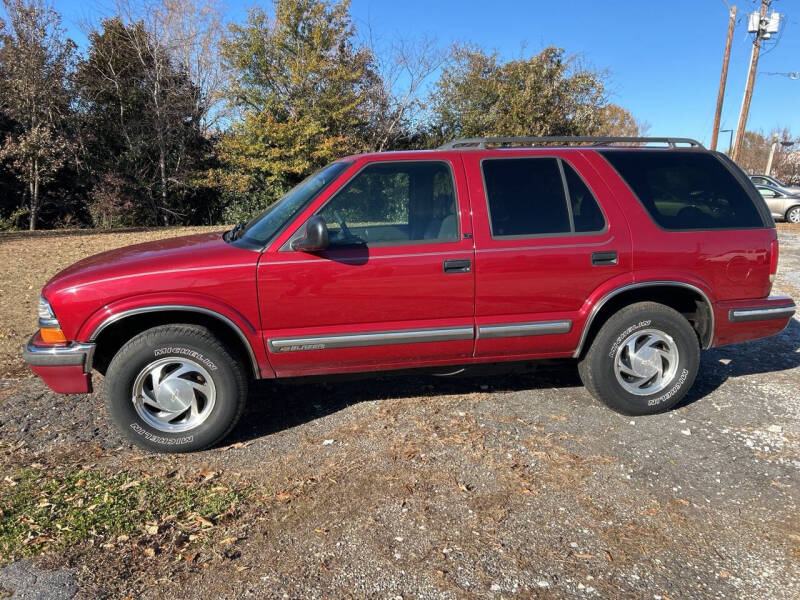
(65, 369)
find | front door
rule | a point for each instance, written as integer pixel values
(394, 289)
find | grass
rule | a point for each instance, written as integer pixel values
(41, 511)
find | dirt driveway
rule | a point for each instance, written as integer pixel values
(490, 486)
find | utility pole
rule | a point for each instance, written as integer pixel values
(723, 78)
(771, 154)
(763, 29)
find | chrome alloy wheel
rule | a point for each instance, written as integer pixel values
(646, 362)
(173, 394)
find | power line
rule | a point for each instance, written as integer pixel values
(790, 74)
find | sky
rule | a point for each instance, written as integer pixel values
(663, 58)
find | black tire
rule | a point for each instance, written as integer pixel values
(187, 345)
(793, 215)
(641, 321)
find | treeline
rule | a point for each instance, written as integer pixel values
(169, 116)
(785, 159)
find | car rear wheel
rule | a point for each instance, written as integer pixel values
(643, 360)
(175, 388)
(793, 214)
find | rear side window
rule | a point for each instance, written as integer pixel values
(585, 211)
(538, 196)
(686, 190)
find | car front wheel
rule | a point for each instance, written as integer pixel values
(793, 214)
(643, 360)
(175, 388)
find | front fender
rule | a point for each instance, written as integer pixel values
(247, 330)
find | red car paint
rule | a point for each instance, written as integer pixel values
(281, 293)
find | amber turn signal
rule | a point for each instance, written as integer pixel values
(52, 336)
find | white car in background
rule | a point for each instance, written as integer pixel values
(782, 204)
(771, 181)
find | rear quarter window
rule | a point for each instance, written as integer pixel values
(686, 190)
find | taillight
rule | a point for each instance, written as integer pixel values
(773, 260)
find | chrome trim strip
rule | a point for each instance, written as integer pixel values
(760, 314)
(631, 286)
(76, 353)
(375, 338)
(486, 332)
(165, 307)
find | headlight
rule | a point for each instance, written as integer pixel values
(49, 327)
(45, 311)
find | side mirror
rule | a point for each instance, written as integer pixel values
(315, 237)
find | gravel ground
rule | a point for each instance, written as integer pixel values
(496, 485)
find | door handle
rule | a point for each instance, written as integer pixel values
(600, 259)
(457, 265)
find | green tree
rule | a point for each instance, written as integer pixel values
(546, 94)
(142, 138)
(35, 60)
(304, 92)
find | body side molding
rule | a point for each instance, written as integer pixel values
(372, 338)
(182, 307)
(486, 332)
(631, 286)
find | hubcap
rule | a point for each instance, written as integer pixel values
(174, 394)
(794, 215)
(646, 362)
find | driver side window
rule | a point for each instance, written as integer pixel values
(394, 203)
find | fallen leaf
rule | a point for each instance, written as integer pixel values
(128, 486)
(41, 539)
(228, 541)
(236, 445)
(203, 521)
(207, 474)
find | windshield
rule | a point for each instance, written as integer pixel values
(262, 228)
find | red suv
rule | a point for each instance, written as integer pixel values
(629, 259)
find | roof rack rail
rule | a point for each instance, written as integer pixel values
(508, 142)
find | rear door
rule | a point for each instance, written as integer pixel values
(547, 235)
(395, 288)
